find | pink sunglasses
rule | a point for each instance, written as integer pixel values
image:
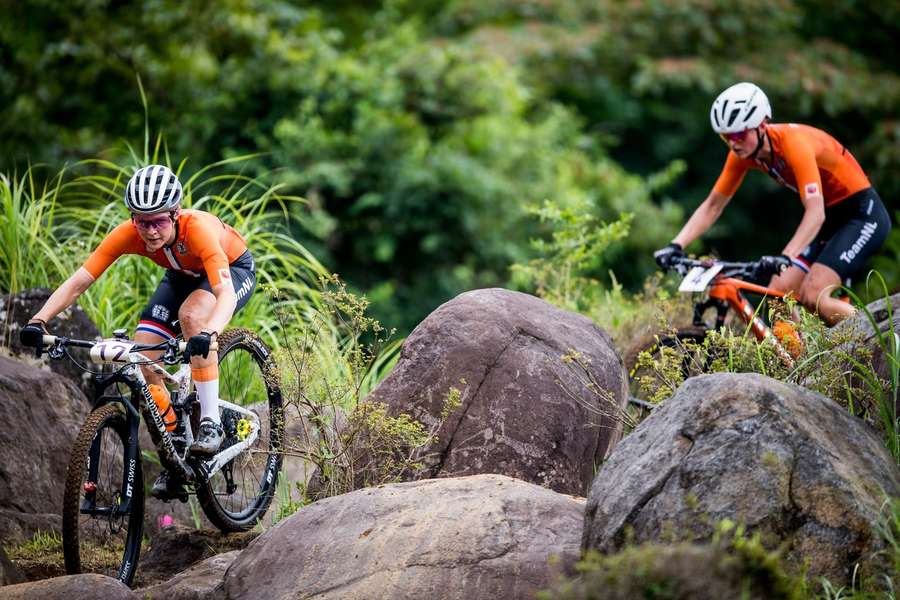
(157, 223)
(738, 136)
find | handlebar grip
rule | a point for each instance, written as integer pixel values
(213, 347)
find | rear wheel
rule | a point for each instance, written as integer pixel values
(238, 495)
(101, 531)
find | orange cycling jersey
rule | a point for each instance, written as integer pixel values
(202, 242)
(804, 159)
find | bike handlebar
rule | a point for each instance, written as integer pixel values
(53, 340)
(750, 270)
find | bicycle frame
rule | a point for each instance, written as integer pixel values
(120, 351)
(724, 292)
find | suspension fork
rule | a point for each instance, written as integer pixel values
(130, 458)
(701, 307)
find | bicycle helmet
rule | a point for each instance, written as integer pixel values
(153, 189)
(740, 107)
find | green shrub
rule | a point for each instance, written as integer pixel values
(732, 565)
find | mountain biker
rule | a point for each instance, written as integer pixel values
(209, 276)
(844, 220)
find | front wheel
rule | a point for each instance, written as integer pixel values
(657, 366)
(236, 497)
(103, 502)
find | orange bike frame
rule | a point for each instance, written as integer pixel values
(728, 289)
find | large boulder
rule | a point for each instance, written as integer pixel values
(486, 536)
(41, 413)
(525, 412)
(16, 309)
(787, 462)
(67, 587)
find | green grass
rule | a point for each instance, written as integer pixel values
(51, 223)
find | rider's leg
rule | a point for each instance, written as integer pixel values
(193, 316)
(789, 281)
(158, 321)
(146, 337)
(815, 294)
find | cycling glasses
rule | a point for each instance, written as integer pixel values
(148, 223)
(738, 136)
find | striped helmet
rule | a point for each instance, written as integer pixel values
(153, 189)
(740, 107)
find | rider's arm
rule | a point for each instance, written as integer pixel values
(226, 301)
(703, 218)
(801, 157)
(708, 212)
(65, 295)
(810, 224)
(204, 239)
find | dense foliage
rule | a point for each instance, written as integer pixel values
(422, 132)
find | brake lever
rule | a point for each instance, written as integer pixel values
(170, 356)
(57, 350)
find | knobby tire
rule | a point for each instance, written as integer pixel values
(78, 529)
(241, 509)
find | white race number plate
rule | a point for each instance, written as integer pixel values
(111, 351)
(698, 278)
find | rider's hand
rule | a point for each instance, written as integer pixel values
(32, 335)
(198, 345)
(773, 265)
(664, 256)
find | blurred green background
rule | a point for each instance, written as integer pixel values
(421, 133)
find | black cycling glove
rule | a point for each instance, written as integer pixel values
(773, 265)
(32, 336)
(665, 256)
(198, 345)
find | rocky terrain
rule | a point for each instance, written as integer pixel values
(529, 474)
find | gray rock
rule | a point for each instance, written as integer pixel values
(860, 329)
(41, 413)
(82, 587)
(525, 413)
(785, 461)
(486, 536)
(203, 581)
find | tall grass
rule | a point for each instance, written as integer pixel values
(49, 229)
(30, 255)
(886, 397)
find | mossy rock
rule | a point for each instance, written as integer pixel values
(740, 569)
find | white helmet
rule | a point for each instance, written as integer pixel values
(742, 106)
(153, 189)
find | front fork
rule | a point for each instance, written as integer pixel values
(122, 505)
(700, 309)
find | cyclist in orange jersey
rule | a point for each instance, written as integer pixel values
(844, 220)
(210, 275)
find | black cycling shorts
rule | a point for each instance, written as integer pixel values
(160, 316)
(853, 231)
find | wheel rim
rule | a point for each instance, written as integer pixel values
(244, 484)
